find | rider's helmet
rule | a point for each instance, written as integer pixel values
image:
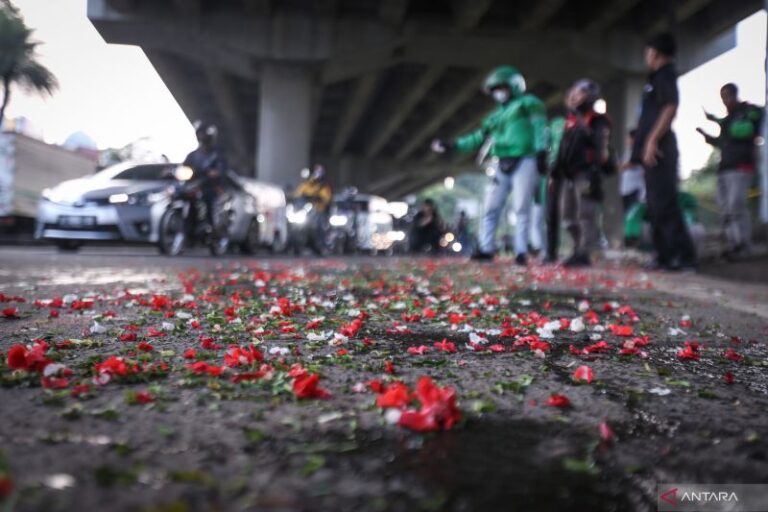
(319, 173)
(505, 75)
(205, 128)
(589, 90)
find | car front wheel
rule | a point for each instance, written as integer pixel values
(173, 235)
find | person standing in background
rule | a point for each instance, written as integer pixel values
(516, 138)
(737, 142)
(655, 148)
(583, 155)
(552, 191)
(631, 184)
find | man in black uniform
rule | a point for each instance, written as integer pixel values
(209, 165)
(656, 148)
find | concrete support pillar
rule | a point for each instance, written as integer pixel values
(285, 117)
(622, 97)
(764, 150)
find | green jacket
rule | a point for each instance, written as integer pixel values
(518, 128)
(637, 215)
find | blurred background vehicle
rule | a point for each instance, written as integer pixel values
(126, 203)
(271, 206)
(402, 216)
(307, 227)
(27, 167)
(186, 221)
(115, 204)
(361, 223)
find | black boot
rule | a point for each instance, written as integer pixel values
(482, 256)
(578, 260)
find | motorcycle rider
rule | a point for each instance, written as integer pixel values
(209, 164)
(582, 156)
(515, 135)
(427, 228)
(317, 189)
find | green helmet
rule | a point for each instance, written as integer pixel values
(505, 75)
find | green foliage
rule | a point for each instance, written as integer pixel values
(18, 62)
(702, 184)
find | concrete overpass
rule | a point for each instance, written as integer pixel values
(363, 85)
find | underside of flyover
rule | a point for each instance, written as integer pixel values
(364, 85)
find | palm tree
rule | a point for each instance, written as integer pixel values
(18, 64)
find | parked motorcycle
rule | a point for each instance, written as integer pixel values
(185, 221)
(307, 227)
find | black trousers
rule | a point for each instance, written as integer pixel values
(209, 200)
(553, 216)
(671, 239)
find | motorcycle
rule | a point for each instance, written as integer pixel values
(343, 235)
(307, 227)
(361, 223)
(185, 220)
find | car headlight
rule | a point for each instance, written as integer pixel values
(297, 217)
(381, 218)
(294, 216)
(118, 198)
(139, 198)
(338, 220)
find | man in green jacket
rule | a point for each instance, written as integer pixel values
(737, 142)
(514, 137)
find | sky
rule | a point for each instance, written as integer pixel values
(744, 65)
(112, 92)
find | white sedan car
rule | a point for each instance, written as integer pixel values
(125, 202)
(114, 204)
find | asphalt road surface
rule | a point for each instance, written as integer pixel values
(132, 381)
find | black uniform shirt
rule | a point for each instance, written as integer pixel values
(203, 161)
(660, 91)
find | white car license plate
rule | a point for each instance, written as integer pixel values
(77, 221)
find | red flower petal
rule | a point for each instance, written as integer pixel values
(17, 357)
(556, 400)
(445, 346)
(583, 374)
(395, 395)
(606, 434)
(307, 387)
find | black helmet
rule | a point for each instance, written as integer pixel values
(590, 87)
(209, 129)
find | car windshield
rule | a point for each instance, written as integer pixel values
(146, 172)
